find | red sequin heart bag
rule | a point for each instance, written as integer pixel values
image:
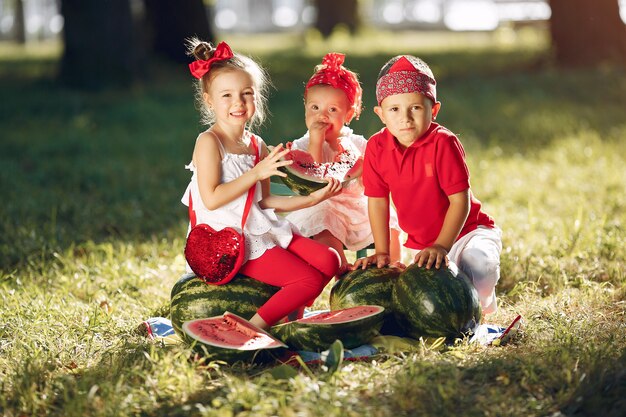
(216, 256)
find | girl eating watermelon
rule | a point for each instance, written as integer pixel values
(231, 95)
(332, 98)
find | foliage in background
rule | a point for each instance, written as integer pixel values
(92, 232)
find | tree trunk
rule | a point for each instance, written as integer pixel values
(20, 26)
(587, 33)
(99, 44)
(171, 22)
(331, 13)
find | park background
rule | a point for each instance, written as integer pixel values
(97, 121)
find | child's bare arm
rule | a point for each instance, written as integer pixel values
(454, 220)
(378, 210)
(317, 136)
(452, 225)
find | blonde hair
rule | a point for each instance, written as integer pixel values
(204, 51)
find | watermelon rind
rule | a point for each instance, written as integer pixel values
(310, 335)
(436, 302)
(192, 298)
(303, 184)
(221, 350)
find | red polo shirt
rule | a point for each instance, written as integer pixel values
(420, 179)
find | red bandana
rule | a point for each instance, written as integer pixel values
(200, 67)
(336, 75)
(404, 77)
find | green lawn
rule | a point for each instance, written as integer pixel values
(92, 232)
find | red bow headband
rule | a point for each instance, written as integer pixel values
(221, 53)
(404, 77)
(333, 73)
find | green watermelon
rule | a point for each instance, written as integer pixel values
(353, 326)
(192, 298)
(436, 302)
(371, 286)
(305, 175)
(229, 337)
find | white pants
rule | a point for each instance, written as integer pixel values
(477, 254)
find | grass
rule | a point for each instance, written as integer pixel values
(92, 235)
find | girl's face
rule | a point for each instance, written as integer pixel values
(407, 116)
(327, 107)
(231, 96)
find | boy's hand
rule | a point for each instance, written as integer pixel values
(435, 254)
(379, 259)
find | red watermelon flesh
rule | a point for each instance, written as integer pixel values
(341, 316)
(230, 331)
(344, 168)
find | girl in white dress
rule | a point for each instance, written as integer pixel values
(332, 98)
(231, 90)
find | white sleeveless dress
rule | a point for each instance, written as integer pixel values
(344, 215)
(263, 230)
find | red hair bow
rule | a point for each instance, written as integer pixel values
(333, 73)
(333, 63)
(200, 67)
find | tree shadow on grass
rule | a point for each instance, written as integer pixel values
(146, 365)
(515, 383)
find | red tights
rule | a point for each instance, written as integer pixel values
(302, 271)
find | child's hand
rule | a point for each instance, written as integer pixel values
(332, 189)
(379, 259)
(317, 131)
(435, 254)
(399, 265)
(269, 165)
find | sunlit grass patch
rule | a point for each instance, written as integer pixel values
(93, 230)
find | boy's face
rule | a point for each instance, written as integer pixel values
(326, 108)
(407, 116)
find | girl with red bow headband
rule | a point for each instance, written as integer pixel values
(231, 93)
(332, 98)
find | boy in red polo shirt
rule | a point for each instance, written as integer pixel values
(421, 164)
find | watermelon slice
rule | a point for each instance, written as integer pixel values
(354, 326)
(229, 337)
(305, 175)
